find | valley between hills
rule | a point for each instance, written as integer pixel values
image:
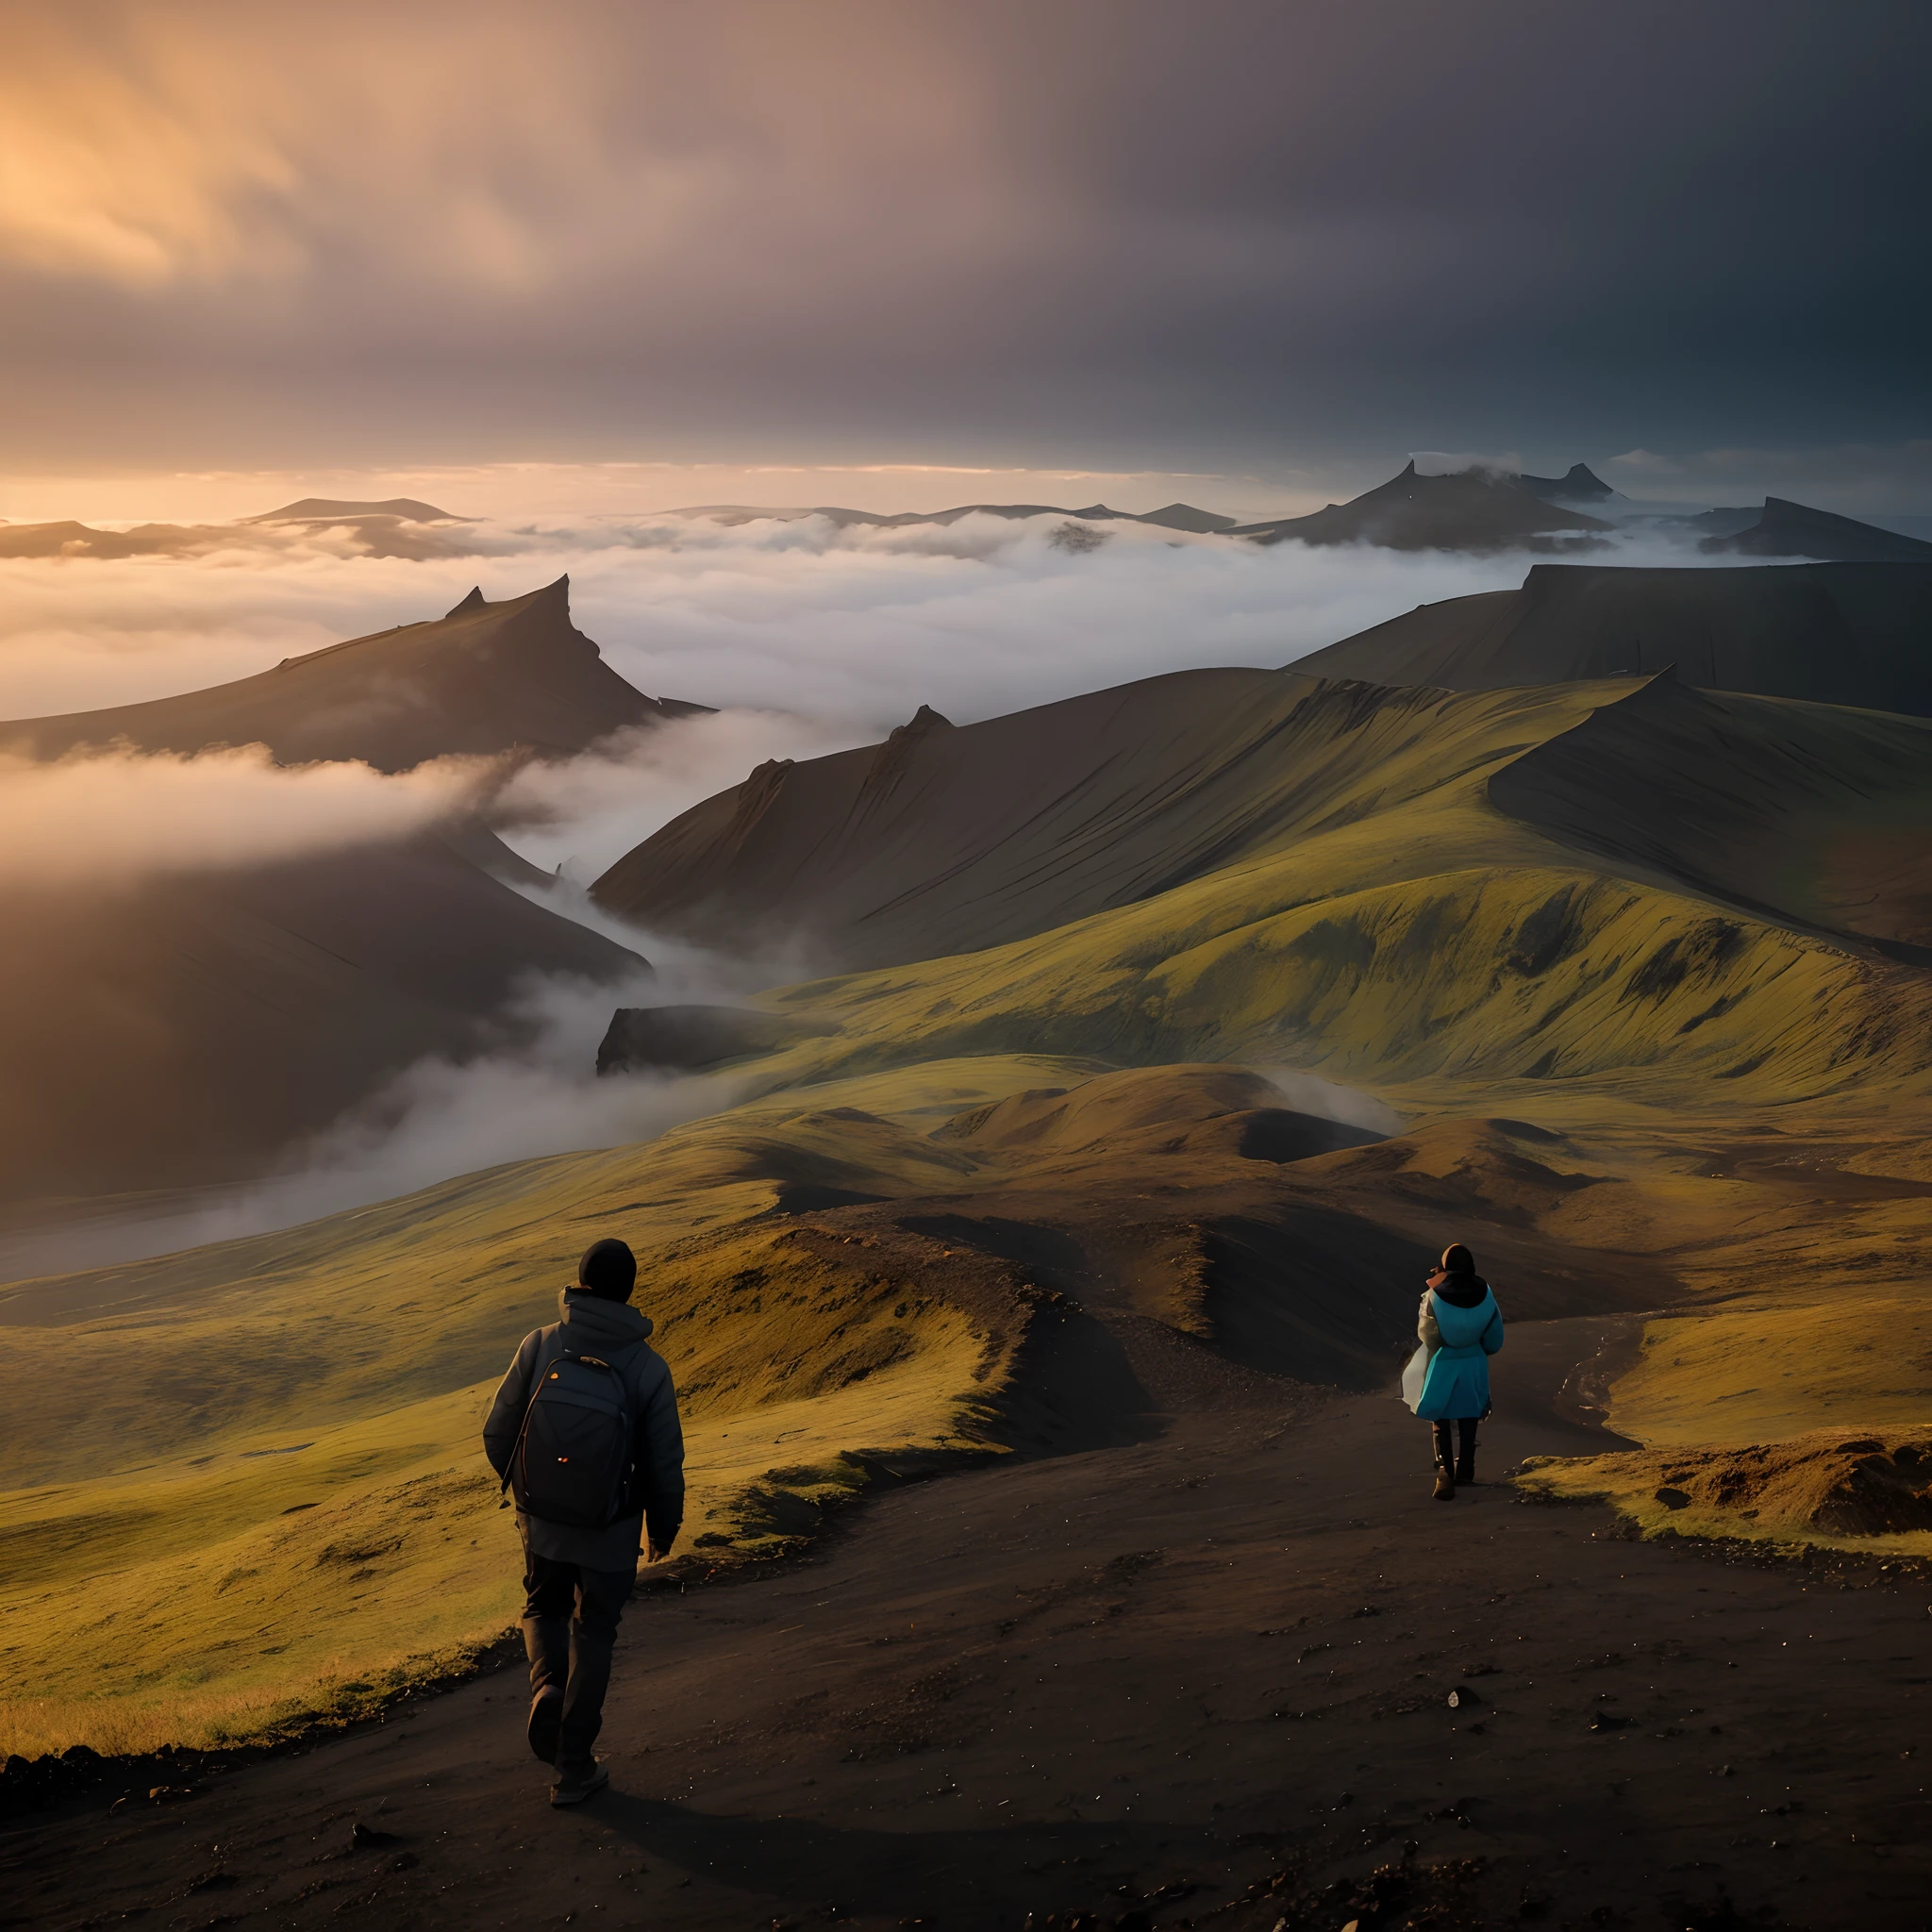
(1036, 1276)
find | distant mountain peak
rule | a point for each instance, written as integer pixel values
(310, 509)
(488, 678)
(1795, 530)
(1471, 510)
(1187, 518)
(1578, 484)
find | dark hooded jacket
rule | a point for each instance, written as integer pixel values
(619, 1334)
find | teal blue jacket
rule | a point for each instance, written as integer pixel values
(1458, 1382)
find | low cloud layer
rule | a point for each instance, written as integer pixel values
(858, 626)
(436, 1119)
(90, 821)
(806, 635)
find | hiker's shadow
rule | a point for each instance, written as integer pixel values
(971, 1876)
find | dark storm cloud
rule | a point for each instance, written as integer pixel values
(1222, 231)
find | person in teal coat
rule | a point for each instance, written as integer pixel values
(1461, 1328)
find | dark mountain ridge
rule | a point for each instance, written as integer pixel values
(1794, 529)
(398, 526)
(1578, 484)
(1173, 516)
(948, 839)
(310, 509)
(485, 679)
(1834, 633)
(1471, 510)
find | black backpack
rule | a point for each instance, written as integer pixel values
(573, 1459)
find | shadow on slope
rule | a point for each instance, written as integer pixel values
(186, 1030)
(1805, 814)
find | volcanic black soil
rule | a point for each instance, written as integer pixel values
(1206, 1676)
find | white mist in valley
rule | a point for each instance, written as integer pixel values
(90, 820)
(433, 1119)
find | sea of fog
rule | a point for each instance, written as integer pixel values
(806, 637)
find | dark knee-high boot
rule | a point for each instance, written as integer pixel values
(1445, 1471)
(546, 1641)
(1465, 1451)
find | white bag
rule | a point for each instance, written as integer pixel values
(1414, 1376)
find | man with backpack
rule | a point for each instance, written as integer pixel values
(584, 1433)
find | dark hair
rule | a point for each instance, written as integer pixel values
(608, 1269)
(1456, 1259)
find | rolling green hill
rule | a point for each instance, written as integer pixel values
(257, 1465)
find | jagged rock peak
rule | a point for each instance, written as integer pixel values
(1578, 484)
(474, 600)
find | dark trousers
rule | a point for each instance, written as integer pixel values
(1446, 1456)
(570, 1629)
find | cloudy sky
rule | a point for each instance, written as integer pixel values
(1250, 251)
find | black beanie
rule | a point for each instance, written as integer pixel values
(608, 1269)
(1456, 1259)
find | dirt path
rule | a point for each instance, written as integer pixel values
(1172, 1671)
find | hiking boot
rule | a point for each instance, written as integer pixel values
(546, 1722)
(1445, 1484)
(580, 1782)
